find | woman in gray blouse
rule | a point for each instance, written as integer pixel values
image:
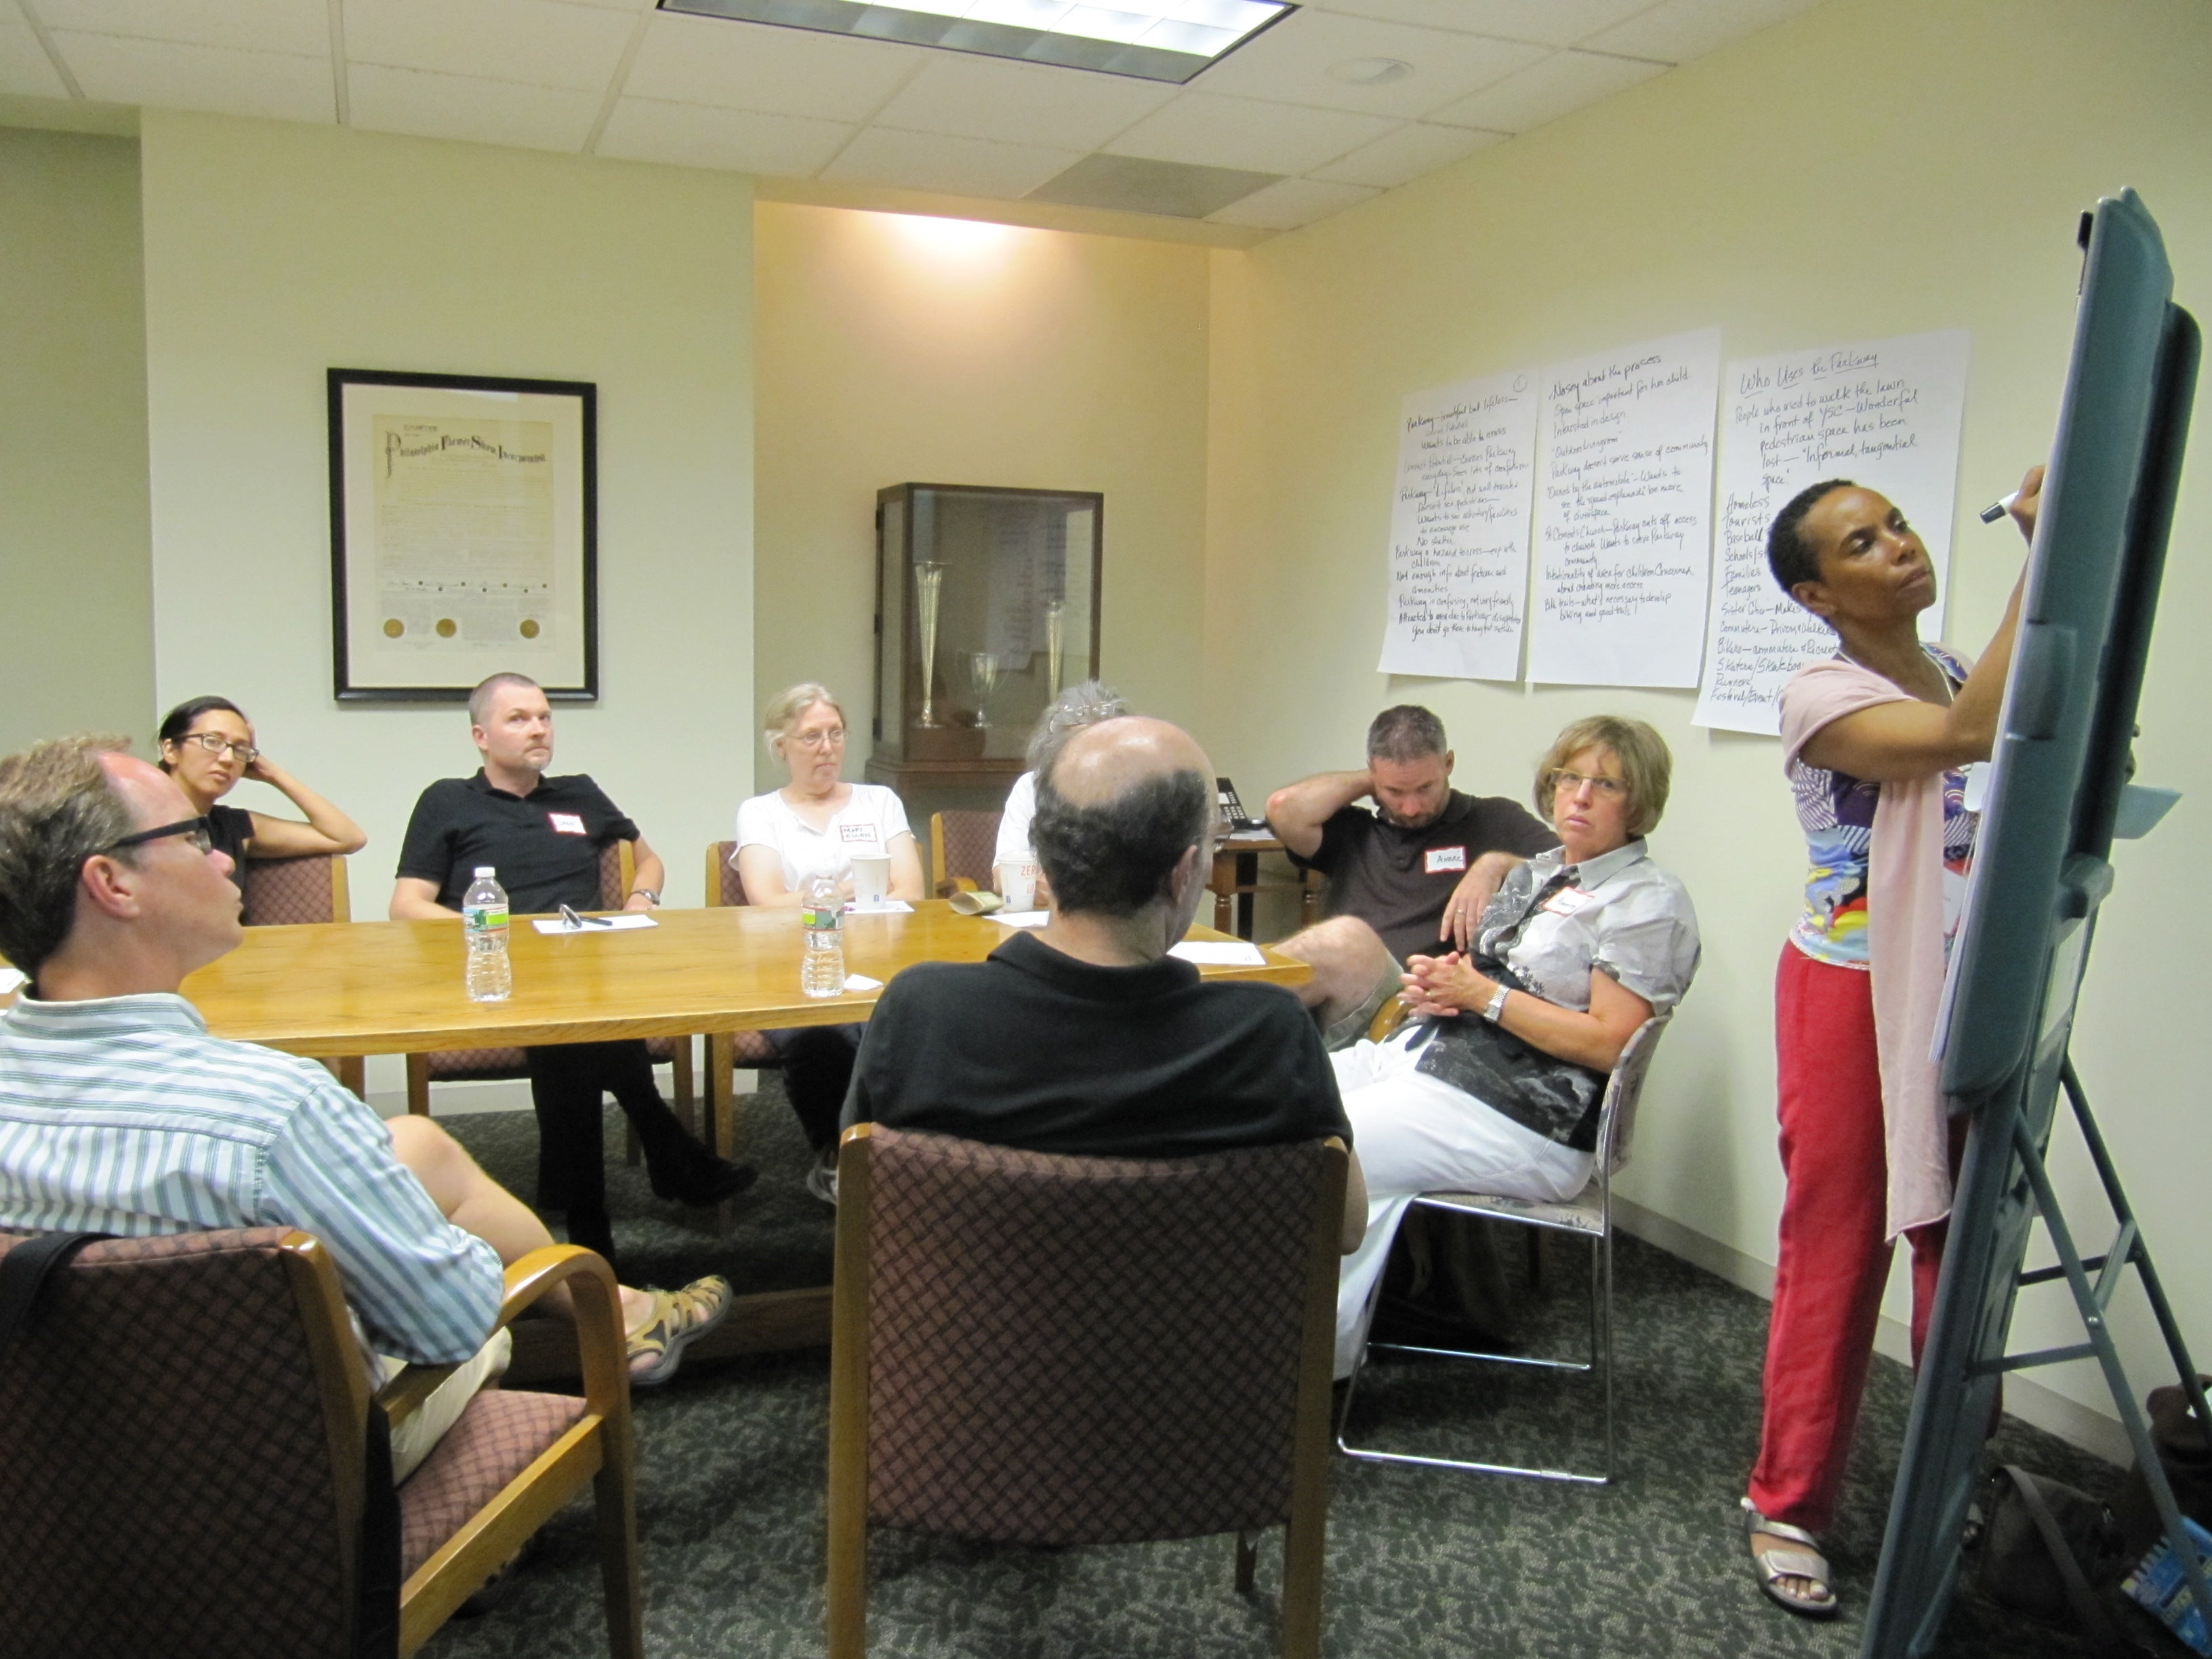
(1581, 945)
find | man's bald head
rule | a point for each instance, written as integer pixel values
(1117, 808)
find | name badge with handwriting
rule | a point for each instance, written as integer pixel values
(566, 824)
(1438, 860)
(1567, 901)
(858, 834)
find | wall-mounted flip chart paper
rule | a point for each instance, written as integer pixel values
(1885, 414)
(1459, 530)
(1623, 504)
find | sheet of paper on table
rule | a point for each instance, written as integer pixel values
(1209, 953)
(862, 983)
(634, 919)
(889, 907)
(1023, 918)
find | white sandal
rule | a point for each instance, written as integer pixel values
(1772, 1567)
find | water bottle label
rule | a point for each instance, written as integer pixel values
(476, 917)
(815, 919)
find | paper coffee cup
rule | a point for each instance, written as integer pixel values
(871, 878)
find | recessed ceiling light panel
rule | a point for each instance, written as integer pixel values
(1167, 40)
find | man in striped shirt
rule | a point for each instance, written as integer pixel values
(120, 1113)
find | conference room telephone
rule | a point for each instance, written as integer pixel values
(1232, 810)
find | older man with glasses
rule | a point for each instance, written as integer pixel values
(120, 1113)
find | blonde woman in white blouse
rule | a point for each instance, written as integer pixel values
(817, 821)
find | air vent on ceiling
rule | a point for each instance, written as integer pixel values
(1134, 184)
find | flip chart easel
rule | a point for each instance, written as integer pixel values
(2060, 796)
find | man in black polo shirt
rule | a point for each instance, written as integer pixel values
(1405, 879)
(544, 837)
(1085, 1036)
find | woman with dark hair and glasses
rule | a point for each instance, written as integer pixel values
(207, 746)
(1876, 741)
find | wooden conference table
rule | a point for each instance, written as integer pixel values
(337, 989)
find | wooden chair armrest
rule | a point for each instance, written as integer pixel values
(1387, 1018)
(601, 1343)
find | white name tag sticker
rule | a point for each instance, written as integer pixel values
(1438, 860)
(1566, 901)
(857, 834)
(566, 824)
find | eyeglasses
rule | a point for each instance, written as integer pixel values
(215, 743)
(196, 830)
(829, 739)
(1604, 788)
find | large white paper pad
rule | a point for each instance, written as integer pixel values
(1623, 504)
(1882, 413)
(1459, 530)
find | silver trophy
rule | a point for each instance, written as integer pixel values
(1055, 632)
(983, 680)
(928, 580)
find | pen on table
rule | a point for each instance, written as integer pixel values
(574, 919)
(1997, 510)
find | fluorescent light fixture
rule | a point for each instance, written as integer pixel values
(1167, 40)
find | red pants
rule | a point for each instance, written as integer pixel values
(1833, 1258)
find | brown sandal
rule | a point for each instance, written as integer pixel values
(679, 1319)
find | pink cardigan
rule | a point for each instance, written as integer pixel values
(1904, 940)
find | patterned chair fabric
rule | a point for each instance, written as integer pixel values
(501, 1433)
(1067, 1350)
(281, 892)
(750, 1047)
(166, 1468)
(964, 841)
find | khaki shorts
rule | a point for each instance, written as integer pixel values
(415, 1436)
(1353, 1026)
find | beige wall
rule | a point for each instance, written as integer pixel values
(77, 622)
(1871, 168)
(895, 349)
(273, 253)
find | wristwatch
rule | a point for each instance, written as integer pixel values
(1497, 1004)
(651, 896)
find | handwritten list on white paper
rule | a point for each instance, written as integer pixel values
(1883, 413)
(1459, 530)
(1624, 538)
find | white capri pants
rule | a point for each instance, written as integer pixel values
(1416, 1133)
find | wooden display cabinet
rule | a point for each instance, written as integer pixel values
(987, 607)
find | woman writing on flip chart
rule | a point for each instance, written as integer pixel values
(1874, 744)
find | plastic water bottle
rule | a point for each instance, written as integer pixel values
(822, 973)
(489, 975)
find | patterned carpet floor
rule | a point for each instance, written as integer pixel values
(1420, 1562)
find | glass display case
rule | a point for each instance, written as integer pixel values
(987, 605)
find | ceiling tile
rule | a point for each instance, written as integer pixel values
(1208, 129)
(1293, 203)
(1020, 103)
(296, 26)
(1566, 80)
(1679, 30)
(1549, 22)
(694, 136)
(1405, 153)
(167, 75)
(483, 111)
(24, 66)
(710, 60)
(1290, 63)
(536, 42)
(959, 167)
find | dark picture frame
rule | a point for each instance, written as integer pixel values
(464, 534)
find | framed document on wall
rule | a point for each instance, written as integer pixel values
(464, 535)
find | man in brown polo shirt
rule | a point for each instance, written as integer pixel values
(1410, 877)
